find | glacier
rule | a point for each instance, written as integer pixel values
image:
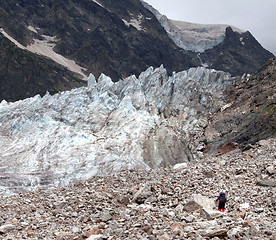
(148, 122)
(192, 36)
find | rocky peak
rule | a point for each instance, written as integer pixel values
(234, 54)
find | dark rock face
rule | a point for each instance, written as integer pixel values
(239, 53)
(251, 115)
(24, 74)
(96, 36)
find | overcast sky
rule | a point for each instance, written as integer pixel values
(256, 16)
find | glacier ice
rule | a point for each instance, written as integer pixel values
(192, 36)
(106, 127)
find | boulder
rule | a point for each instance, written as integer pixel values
(142, 195)
(95, 237)
(207, 224)
(198, 201)
(210, 214)
(244, 206)
(234, 232)
(242, 214)
(6, 228)
(271, 169)
(189, 219)
(180, 166)
(214, 233)
(266, 183)
(106, 217)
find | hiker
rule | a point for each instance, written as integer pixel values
(222, 200)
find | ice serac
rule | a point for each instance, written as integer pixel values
(152, 121)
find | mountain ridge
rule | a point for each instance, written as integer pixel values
(221, 47)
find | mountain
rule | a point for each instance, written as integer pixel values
(118, 38)
(238, 53)
(218, 46)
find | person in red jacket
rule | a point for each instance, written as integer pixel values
(222, 200)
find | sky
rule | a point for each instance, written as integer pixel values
(256, 16)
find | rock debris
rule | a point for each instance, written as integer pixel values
(167, 203)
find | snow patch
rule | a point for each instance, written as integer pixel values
(45, 48)
(98, 3)
(11, 39)
(135, 22)
(202, 64)
(242, 42)
(32, 29)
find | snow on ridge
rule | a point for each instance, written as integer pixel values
(197, 37)
(104, 128)
(98, 3)
(192, 36)
(11, 39)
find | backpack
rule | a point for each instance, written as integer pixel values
(222, 198)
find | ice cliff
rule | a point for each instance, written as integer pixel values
(151, 121)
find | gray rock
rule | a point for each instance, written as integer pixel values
(95, 237)
(198, 201)
(106, 217)
(266, 183)
(207, 224)
(189, 219)
(210, 214)
(234, 232)
(180, 166)
(6, 228)
(271, 169)
(214, 233)
(142, 195)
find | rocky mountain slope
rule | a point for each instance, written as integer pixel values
(238, 53)
(249, 114)
(171, 203)
(24, 74)
(118, 38)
